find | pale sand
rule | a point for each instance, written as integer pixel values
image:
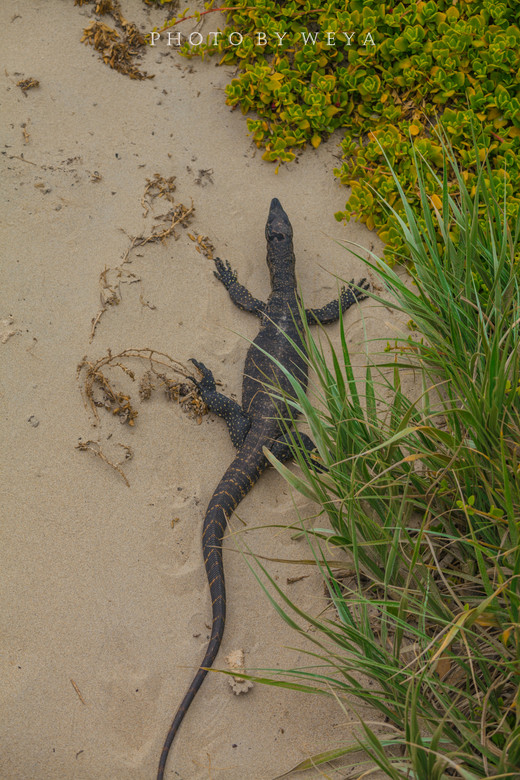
(98, 588)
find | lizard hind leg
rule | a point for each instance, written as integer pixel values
(238, 422)
(281, 449)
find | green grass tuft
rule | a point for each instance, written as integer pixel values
(424, 496)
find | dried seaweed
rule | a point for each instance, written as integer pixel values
(163, 373)
(203, 245)
(164, 227)
(157, 187)
(26, 84)
(118, 48)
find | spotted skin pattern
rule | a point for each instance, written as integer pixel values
(256, 423)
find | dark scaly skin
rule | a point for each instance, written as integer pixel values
(253, 425)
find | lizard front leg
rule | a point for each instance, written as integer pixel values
(239, 294)
(330, 313)
(238, 422)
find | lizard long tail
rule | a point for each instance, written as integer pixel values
(233, 486)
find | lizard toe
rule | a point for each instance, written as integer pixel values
(208, 381)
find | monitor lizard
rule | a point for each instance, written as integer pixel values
(257, 422)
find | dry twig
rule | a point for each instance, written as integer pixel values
(95, 447)
(164, 227)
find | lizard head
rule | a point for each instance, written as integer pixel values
(278, 233)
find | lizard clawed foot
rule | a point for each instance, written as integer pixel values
(225, 273)
(364, 284)
(316, 462)
(350, 292)
(207, 382)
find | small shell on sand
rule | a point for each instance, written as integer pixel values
(6, 331)
(236, 663)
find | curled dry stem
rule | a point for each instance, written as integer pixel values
(159, 374)
(95, 447)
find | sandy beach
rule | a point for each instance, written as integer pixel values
(105, 602)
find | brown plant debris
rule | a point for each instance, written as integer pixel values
(164, 227)
(157, 187)
(95, 447)
(174, 4)
(104, 7)
(25, 132)
(146, 303)
(163, 373)
(26, 84)
(82, 700)
(118, 48)
(203, 245)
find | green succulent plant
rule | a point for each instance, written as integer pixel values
(384, 72)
